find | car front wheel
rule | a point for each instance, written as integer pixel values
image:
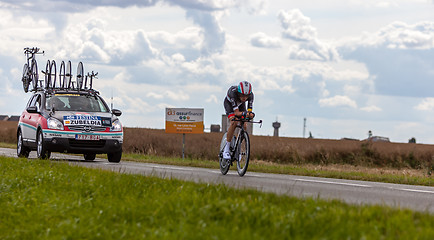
(41, 150)
(114, 157)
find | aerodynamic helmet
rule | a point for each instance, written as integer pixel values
(245, 88)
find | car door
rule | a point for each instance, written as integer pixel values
(30, 120)
(24, 121)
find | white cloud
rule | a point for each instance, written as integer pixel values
(296, 26)
(371, 108)
(252, 6)
(213, 35)
(89, 41)
(313, 50)
(176, 96)
(398, 35)
(374, 3)
(261, 40)
(154, 95)
(427, 104)
(212, 99)
(338, 101)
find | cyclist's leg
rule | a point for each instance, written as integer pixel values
(231, 129)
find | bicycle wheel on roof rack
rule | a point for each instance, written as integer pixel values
(68, 75)
(62, 75)
(47, 73)
(34, 74)
(25, 78)
(53, 73)
(80, 75)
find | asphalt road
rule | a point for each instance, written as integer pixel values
(419, 198)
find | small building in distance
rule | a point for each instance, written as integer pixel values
(14, 118)
(215, 128)
(11, 118)
(377, 139)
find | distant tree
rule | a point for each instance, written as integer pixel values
(412, 140)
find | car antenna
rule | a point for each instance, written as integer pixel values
(111, 104)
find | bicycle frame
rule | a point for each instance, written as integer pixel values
(241, 126)
(30, 54)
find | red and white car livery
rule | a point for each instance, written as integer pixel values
(72, 121)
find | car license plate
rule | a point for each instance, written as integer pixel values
(87, 137)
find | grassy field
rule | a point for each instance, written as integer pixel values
(53, 200)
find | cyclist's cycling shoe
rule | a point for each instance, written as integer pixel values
(226, 155)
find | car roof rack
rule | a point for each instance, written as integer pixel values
(62, 81)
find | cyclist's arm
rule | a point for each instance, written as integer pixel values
(250, 113)
(238, 113)
(250, 102)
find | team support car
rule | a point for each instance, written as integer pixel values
(71, 121)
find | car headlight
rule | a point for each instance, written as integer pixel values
(53, 123)
(116, 126)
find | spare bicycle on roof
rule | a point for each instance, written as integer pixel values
(53, 79)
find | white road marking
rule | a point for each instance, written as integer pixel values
(337, 183)
(414, 190)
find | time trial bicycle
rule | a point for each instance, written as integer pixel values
(239, 149)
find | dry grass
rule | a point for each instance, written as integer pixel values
(283, 150)
(8, 131)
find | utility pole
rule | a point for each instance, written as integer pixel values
(304, 127)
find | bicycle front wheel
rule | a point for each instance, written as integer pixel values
(243, 154)
(224, 164)
(25, 78)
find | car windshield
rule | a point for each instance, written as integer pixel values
(77, 102)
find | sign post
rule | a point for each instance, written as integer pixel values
(184, 120)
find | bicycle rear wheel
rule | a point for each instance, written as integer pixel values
(243, 154)
(80, 75)
(34, 75)
(68, 75)
(53, 72)
(62, 75)
(224, 164)
(47, 74)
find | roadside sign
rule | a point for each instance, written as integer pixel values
(184, 120)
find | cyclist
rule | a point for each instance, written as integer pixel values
(235, 106)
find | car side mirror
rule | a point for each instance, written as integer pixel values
(32, 109)
(116, 112)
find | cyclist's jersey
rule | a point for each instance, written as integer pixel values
(235, 102)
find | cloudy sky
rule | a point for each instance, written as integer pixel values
(347, 66)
